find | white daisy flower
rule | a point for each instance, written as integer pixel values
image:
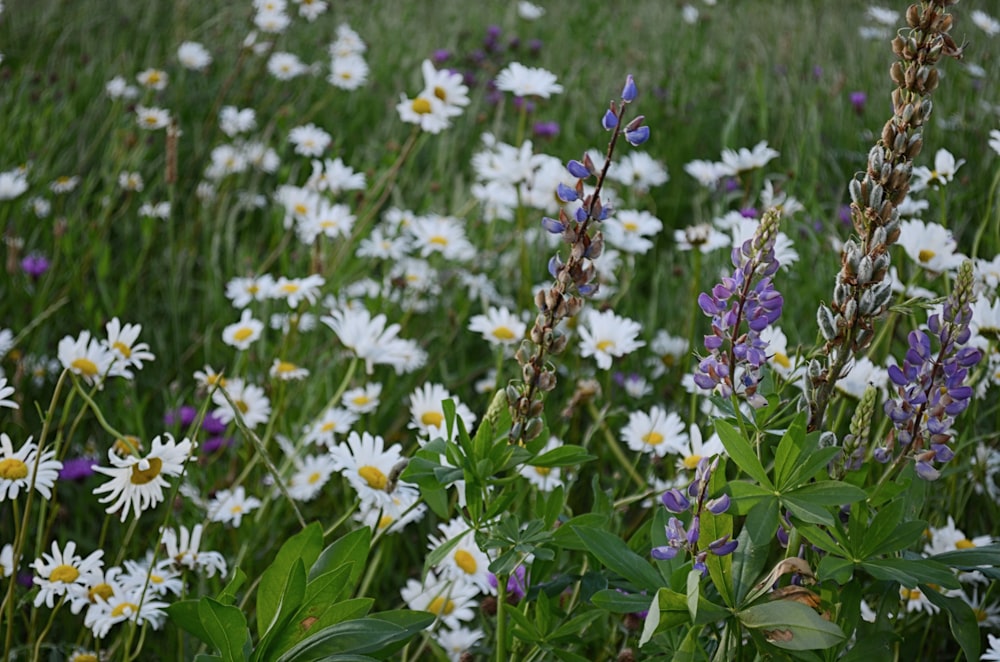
(448, 86)
(656, 432)
(441, 234)
(693, 449)
(367, 465)
(364, 399)
(242, 290)
(160, 579)
(122, 341)
(380, 246)
(273, 22)
(6, 341)
(985, 22)
(790, 368)
(945, 167)
(525, 81)
(450, 601)
(234, 121)
(860, 374)
(229, 506)
(426, 111)
(606, 336)
(287, 371)
(5, 393)
(64, 573)
(285, 66)
(118, 88)
(784, 250)
(309, 140)
(19, 469)
(465, 563)
(458, 643)
(334, 176)
(86, 356)
(153, 79)
(629, 230)
(297, 290)
(244, 333)
(392, 516)
(131, 181)
(914, 600)
(126, 603)
(253, 404)
(311, 9)
(930, 245)
(639, 171)
(371, 340)
(7, 565)
(544, 478)
(194, 56)
(137, 483)
(208, 378)
(529, 12)
(305, 484)
(151, 118)
(324, 430)
(183, 549)
(427, 413)
(498, 326)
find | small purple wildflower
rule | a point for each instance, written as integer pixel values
(535, 46)
(77, 468)
(858, 100)
(546, 129)
(182, 416)
(35, 264)
(440, 56)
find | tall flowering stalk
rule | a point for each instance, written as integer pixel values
(931, 386)
(574, 278)
(862, 291)
(748, 297)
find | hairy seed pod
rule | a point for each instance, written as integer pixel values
(850, 310)
(515, 432)
(855, 190)
(865, 270)
(512, 393)
(875, 197)
(875, 159)
(867, 305)
(559, 343)
(533, 429)
(883, 293)
(536, 408)
(825, 320)
(814, 369)
(528, 373)
(827, 439)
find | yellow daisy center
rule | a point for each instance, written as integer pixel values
(926, 255)
(155, 579)
(653, 438)
(441, 606)
(373, 476)
(465, 561)
(782, 360)
(120, 609)
(290, 288)
(300, 209)
(148, 119)
(503, 333)
(154, 77)
(432, 418)
(384, 521)
(13, 469)
(237, 509)
(125, 350)
(285, 366)
(314, 478)
(328, 427)
(909, 593)
(360, 400)
(630, 226)
(543, 471)
(86, 367)
(605, 344)
(143, 476)
(64, 573)
(691, 462)
(439, 240)
(981, 614)
(964, 543)
(242, 333)
(83, 657)
(242, 406)
(127, 446)
(667, 360)
(440, 93)
(421, 106)
(102, 590)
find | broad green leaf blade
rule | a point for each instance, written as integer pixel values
(746, 495)
(617, 602)
(566, 537)
(617, 557)
(790, 449)
(315, 616)
(807, 511)
(228, 594)
(226, 627)
(564, 456)
(184, 614)
(911, 572)
(796, 626)
(969, 559)
(828, 493)
(961, 619)
(574, 627)
(356, 637)
(667, 610)
(720, 568)
(351, 548)
(303, 547)
(900, 538)
(811, 464)
(741, 452)
(289, 601)
(749, 560)
(693, 594)
(838, 569)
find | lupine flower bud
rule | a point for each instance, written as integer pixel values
(629, 92)
(577, 169)
(609, 121)
(637, 137)
(566, 194)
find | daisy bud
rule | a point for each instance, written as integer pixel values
(629, 92)
(609, 121)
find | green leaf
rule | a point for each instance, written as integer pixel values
(872, 646)
(667, 610)
(289, 601)
(720, 568)
(356, 637)
(961, 619)
(616, 556)
(790, 449)
(620, 603)
(911, 572)
(440, 552)
(566, 538)
(969, 559)
(693, 593)
(762, 521)
(226, 627)
(812, 463)
(741, 452)
(184, 614)
(304, 547)
(900, 538)
(838, 569)
(746, 495)
(228, 594)
(564, 456)
(317, 615)
(828, 493)
(749, 560)
(807, 511)
(574, 626)
(821, 538)
(351, 548)
(809, 630)
(526, 630)
(554, 503)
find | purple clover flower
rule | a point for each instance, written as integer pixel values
(858, 100)
(35, 264)
(546, 129)
(747, 298)
(931, 385)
